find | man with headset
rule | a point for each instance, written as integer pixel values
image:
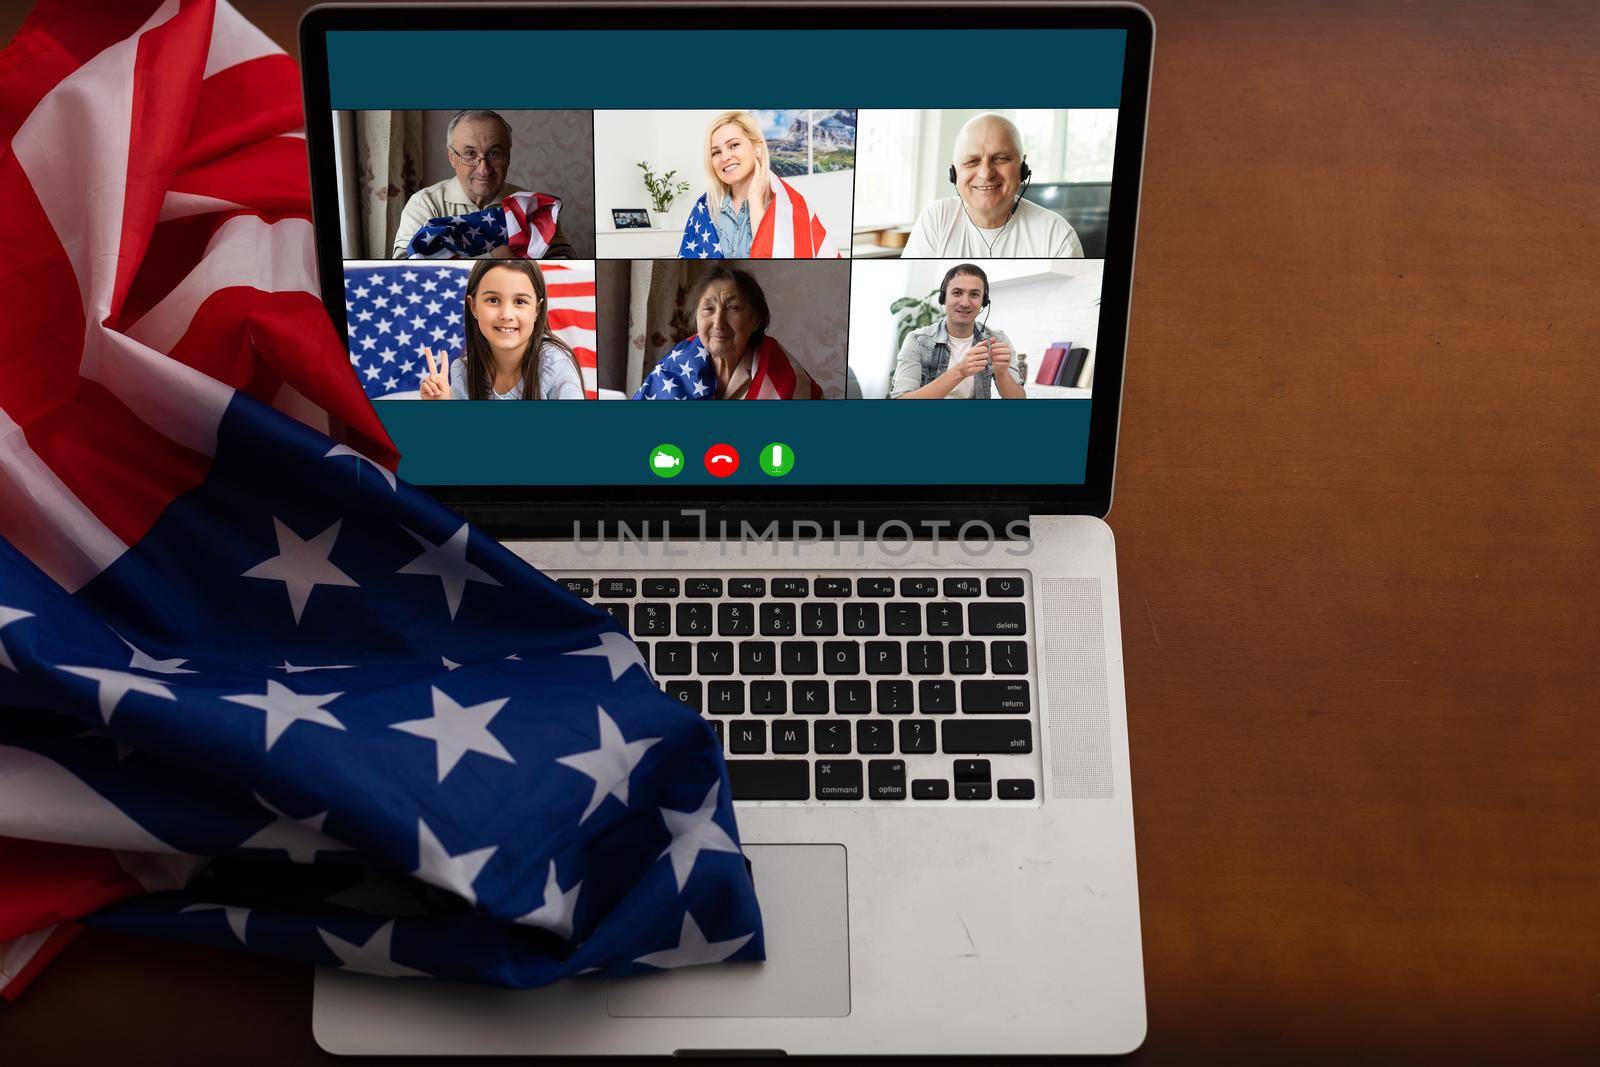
(987, 216)
(957, 357)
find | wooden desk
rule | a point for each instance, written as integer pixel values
(1359, 527)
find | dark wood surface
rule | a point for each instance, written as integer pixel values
(1358, 518)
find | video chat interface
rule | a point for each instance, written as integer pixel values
(666, 256)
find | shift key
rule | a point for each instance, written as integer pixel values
(995, 696)
(985, 736)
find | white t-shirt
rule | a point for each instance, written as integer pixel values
(1034, 232)
(958, 352)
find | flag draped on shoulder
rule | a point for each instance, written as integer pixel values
(788, 230)
(254, 689)
(525, 223)
(687, 373)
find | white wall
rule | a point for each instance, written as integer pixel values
(672, 140)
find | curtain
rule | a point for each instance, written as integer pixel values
(381, 167)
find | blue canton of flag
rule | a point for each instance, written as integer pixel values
(685, 373)
(700, 234)
(340, 725)
(393, 311)
(469, 236)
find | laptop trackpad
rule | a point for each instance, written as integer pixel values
(805, 911)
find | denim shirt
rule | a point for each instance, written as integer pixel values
(733, 229)
(926, 354)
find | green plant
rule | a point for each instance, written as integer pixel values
(915, 313)
(662, 190)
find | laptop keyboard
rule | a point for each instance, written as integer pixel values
(845, 688)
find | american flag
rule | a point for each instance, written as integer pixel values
(686, 373)
(394, 310)
(788, 230)
(523, 222)
(254, 690)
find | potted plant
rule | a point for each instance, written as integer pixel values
(662, 189)
(915, 313)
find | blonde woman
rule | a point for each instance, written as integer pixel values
(747, 212)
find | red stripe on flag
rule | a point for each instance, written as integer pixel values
(555, 289)
(247, 102)
(567, 318)
(43, 883)
(57, 940)
(761, 242)
(800, 219)
(818, 234)
(269, 177)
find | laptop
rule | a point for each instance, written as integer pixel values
(898, 611)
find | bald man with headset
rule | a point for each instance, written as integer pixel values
(958, 357)
(988, 217)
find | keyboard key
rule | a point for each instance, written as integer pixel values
(791, 737)
(660, 587)
(791, 587)
(874, 587)
(725, 698)
(985, 697)
(874, 736)
(966, 657)
(894, 698)
(819, 619)
(1015, 789)
(902, 619)
(832, 737)
(916, 737)
(769, 698)
(702, 587)
(838, 779)
(652, 620)
(883, 657)
(714, 657)
(962, 587)
(841, 657)
(758, 657)
(618, 612)
(1008, 586)
(747, 587)
(747, 737)
(716, 728)
(617, 587)
(777, 620)
(886, 779)
(694, 620)
(798, 658)
(930, 789)
(736, 619)
(810, 698)
(833, 587)
(686, 693)
(672, 657)
(944, 619)
(861, 620)
(770, 779)
(852, 698)
(936, 696)
(971, 770)
(998, 618)
(986, 735)
(919, 587)
(925, 657)
(1009, 657)
(583, 587)
(973, 790)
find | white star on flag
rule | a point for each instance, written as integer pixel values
(290, 668)
(114, 685)
(373, 956)
(694, 832)
(7, 617)
(453, 872)
(302, 565)
(693, 948)
(285, 707)
(456, 730)
(618, 651)
(448, 563)
(346, 450)
(610, 765)
(555, 914)
(238, 918)
(143, 661)
(302, 839)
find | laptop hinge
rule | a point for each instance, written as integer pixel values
(743, 521)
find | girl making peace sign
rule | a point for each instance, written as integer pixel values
(510, 353)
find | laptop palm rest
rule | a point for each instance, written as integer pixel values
(805, 913)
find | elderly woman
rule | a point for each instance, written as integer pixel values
(730, 356)
(747, 212)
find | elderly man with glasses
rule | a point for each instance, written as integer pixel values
(479, 147)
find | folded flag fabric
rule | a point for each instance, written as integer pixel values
(686, 373)
(254, 689)
(788, 230)
(523, 222)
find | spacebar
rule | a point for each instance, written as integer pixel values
(770, 779)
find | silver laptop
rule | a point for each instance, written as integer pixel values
(899, 613)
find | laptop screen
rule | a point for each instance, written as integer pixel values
(721, 255)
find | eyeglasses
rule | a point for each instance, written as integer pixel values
(494, 157)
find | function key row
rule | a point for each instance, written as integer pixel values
(794, 588)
